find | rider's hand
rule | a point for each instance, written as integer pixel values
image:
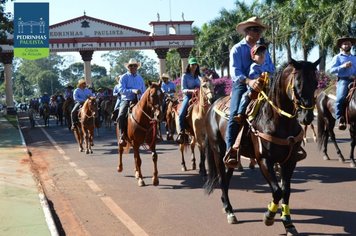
(254, 84)
(136, 91)
(347, 64)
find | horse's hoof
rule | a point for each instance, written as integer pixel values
(141, 183)
(184, 168)
(341, 159)
(155, 181)
(326, 158)
(231, 218)
(194, 166)
(87, 151)
(239, 167)
(291, 231)
(352, 164)
(81, 150)
(137, 176)
(268, 219)
(91, 151)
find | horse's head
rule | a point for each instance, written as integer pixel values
(304, 84)
(207, 89)
(155, 98)
(91, 105)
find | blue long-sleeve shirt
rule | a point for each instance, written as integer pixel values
(189, 82)
(128, 83)
(338, 61)
(168, 87)
(80, 95)
(240, 61)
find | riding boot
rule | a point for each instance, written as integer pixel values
(114, 115)
(230, 158)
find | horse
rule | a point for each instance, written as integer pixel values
(46, 114)
(31, 116)
(169, 117)
(273, 136)
(107, 108)
(142, 123)
(201, 101)
(84, 130)
(326, 123)
(67, 110)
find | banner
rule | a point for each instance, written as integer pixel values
(31, 30)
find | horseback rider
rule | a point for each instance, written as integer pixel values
(44, 100)
(168, 88)
(116, 94)
(344, 66)
(258, 54)
(80, 95)
(68, 92)
(131, 86)
(240, 62)
(189, 83)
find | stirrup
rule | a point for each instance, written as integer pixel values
(230, 158)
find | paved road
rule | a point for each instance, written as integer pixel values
(91, 198)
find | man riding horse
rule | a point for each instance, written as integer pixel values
(344, 66)
(80, 95)
(131, 86)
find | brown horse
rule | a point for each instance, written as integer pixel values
(170, 125)
(84, 130)
(196, 124)
(67, 110)
(107, 107)
(142, 126)
(273, 136)
(46, 114)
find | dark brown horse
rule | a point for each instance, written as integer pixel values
(67, 110)
(106, 108)
(273, 136)
(169, 117)
(326, 123)
(142, 127)
(84, 130)
(46, 114)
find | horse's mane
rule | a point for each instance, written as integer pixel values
(265, 116)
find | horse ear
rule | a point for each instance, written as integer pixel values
(150, 83)
(295, 64)
(160, 82)
(316, 63)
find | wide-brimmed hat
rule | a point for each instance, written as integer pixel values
(192, 61)
(253, 21)
(81, 81)
(339, 41)
(133, 61)
(257, 47)
(165, 75)
(69, 86)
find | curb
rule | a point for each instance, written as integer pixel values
(43, 200)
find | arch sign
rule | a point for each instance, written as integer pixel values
(31, 30)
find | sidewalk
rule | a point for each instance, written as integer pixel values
(23, 207)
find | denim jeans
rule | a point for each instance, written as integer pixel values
(341, 93)
(245, 100)
(74, 113)
(123, 114)
(183, 111)
(237, 91)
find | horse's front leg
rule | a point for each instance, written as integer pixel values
(192, 147)
(353, 143)
(202, 169)
(120, 150)
(286, 175)
(338, 151)
(87, 141)
(181, 148)
(91, 139)
(268, 172)
(138, 162)
(155, 180)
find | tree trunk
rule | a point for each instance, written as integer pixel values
(322, 54)
(289, 51)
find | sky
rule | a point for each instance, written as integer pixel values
(136, 14)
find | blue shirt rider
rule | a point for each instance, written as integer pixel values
(258, 54)
(80, 95)
(168, 88)
(131, 86)
(189, 83)
(116, 94)
(240, 62)
(344, 66)
(44, 100)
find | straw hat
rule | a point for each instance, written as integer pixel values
(339, 41)
(253, 21)
(165, 75)
(132, 61)
(81, 81)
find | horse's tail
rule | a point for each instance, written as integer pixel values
(213, 177)
(322, 130)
